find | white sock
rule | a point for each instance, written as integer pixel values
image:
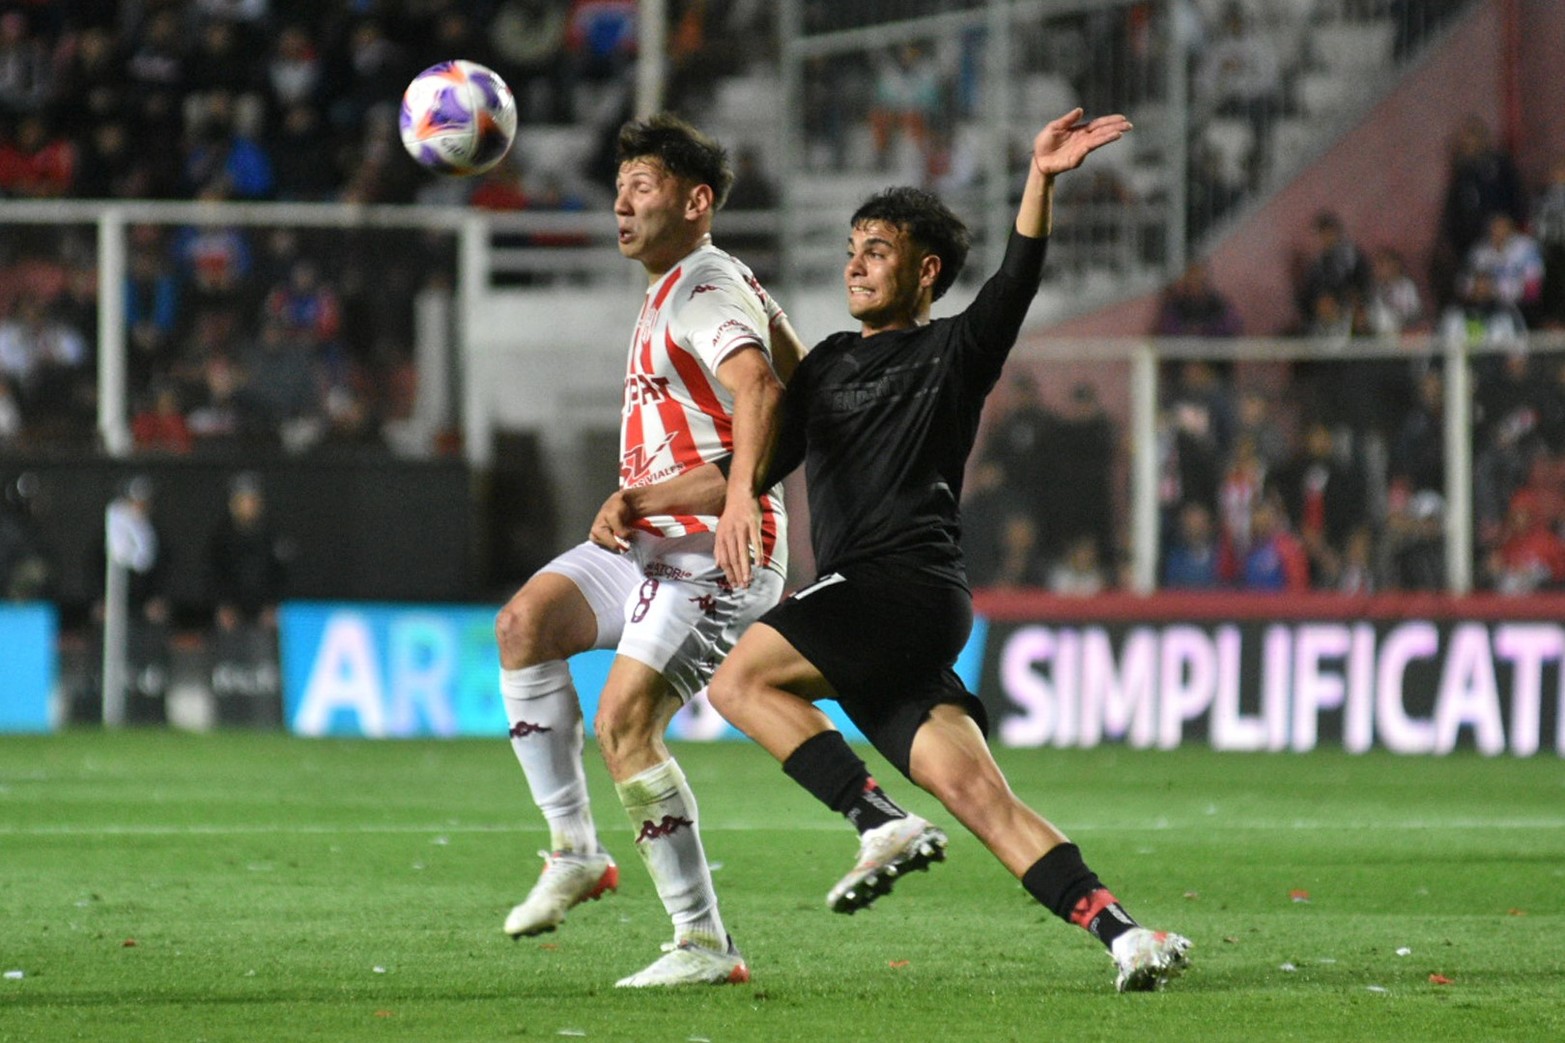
(546, 735)
(663, 812)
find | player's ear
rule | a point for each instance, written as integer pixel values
(929, 270)
(698, 202)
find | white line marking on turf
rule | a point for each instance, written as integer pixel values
(1204, 825)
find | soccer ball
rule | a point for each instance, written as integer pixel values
(458, 118)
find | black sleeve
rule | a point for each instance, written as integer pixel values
(791, 440)
(1024, 258)
(988, 328)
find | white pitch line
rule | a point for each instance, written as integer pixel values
(1204, 825)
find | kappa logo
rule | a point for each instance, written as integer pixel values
(705, 287)
(522, 729)
(670, 825)
(635, 465)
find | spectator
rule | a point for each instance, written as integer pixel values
(1506, 416)
(1513, 262)
(1548, 224)
(529, 36)
(1355, 570)
(1324, 496)
(222, 160)
(1417, 452)
(248, 558)
(1076, 499)
(1480, 319)
(368, 72)
(214, 263)
(1015, 447)
(1335, 268)
(1482, 181)
(224, 62)
(35, 162)
(1276, 561)
(1078, 572)
(600, 36)
(134, 541)
(110, 167)
(1415, 544)
(26, 69)
(293, 72)
(1019, 561)
(151, 312)
(1258, 424)
(1191, 561)
(47, 362)
(907, 103)
(159, 426)
(1531, 556)
(26, 573)
(1394, 305)
(1240, 76)
(1205, 405)
(1243, 484)
(303, 156)
(1191, 306)
(284, 379)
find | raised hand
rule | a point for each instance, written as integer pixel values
(1065, 142)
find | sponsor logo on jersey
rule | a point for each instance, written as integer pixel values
(670, 825)
(635, 465)
(705, 287)
(730, 327)
(641, 388)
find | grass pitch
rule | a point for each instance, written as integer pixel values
(164, 886)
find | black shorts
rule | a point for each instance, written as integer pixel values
(885, 638)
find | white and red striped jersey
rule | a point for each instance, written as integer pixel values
(676, 414)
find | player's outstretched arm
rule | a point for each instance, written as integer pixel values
(1060, 146)
(700, 490)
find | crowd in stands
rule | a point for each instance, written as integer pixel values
(1331, 475)
(299, 341)
(253, 336)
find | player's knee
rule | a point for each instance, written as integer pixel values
(621, 729)
(727, 691)
(523, 632)
(960, 785)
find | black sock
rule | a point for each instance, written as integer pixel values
(839, 779)
(1064, 885)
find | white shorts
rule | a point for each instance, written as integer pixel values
(666, 604)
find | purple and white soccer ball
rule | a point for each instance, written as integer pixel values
(458, 118)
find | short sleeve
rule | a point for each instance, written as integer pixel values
(717, 315)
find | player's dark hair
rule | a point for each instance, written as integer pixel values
(928, 222)
(684, 152)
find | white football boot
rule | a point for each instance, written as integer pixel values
(885, 853)
(566, 880)
(686, 963)
(1148, 959)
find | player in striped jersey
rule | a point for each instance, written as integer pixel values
(700, 385)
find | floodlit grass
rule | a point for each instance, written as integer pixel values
(161, 886)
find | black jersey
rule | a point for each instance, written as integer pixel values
(884, 425)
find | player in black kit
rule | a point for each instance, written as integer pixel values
(884, 420)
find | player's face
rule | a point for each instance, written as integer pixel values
(650, 209)
(886, 276)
